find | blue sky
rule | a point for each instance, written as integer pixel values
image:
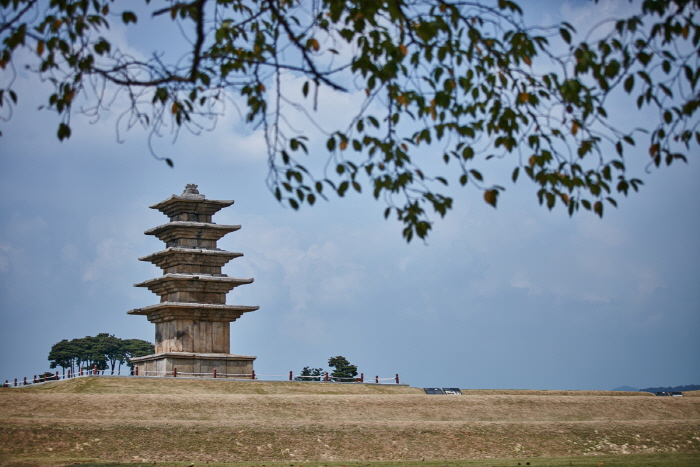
(517, 297)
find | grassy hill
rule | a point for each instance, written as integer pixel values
(130, 419)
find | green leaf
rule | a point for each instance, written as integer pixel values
(629, 83)
(63, 131)
(565, 34)
(598, 208)
(128, 17)
(666, 66)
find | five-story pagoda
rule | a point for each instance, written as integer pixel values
(192, 319)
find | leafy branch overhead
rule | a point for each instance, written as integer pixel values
(457, 82)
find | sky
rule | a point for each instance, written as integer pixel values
(513, 297)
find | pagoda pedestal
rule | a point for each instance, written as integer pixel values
(192, 319)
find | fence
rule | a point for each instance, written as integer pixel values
(325, 377)
(83, 372)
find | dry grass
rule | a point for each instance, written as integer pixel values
(127, 419)
(117, 385)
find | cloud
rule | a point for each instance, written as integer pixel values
(69, 253)
(111, 254)
(584, 15)
(7, 252)
(318, 275)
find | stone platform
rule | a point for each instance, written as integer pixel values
(195, 364)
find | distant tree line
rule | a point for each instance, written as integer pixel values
(687, 387)
(342, 371)
(103, 350)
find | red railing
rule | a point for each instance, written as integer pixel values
(84, 372)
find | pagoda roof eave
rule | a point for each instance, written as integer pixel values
(220, 203)
(200, 251)
(195, 277)
(188, 224)
(192, 306)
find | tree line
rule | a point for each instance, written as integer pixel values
(103, 350)
(342, 371)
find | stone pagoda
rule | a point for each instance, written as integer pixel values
(192, 319)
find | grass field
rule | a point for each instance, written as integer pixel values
(178, 422)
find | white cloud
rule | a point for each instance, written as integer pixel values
(111, 255)
(69, 253)
(585, 15)
(314, 275)
(7, 252)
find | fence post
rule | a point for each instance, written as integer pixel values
(397, 378)
(326, 379)
(252, 375)
(290, 375)
(174, 372)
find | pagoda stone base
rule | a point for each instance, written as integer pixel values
(198, 365)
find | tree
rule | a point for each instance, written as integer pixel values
(77, 353)
(63, 354)
(343, 369)
(93, 351)
(457, 81)
(137, 348)
(310, 374)
(109, 348)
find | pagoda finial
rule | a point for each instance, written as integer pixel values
(191, 191)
